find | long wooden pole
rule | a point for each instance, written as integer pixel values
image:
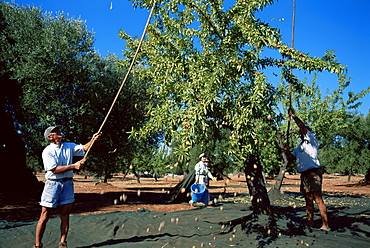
(275, 190)
(291, 70)
(125, 79)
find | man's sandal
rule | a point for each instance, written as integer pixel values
(63, 245)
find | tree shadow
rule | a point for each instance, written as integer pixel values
(135, 239)
(290, 220)
(90, 202)
(266, 229)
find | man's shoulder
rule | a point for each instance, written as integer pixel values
(50, 147)
(309, 133)
(311, 136)
(69, 144)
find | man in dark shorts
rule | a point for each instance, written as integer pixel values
(306, 156)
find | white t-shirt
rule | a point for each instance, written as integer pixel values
(54, 155)
(307, 153)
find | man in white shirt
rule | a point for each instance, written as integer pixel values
(58, 190)
(306, 156)
(202, 172)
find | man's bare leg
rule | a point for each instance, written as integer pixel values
(41, 224)
(65, 211)
(310, 208)
(323, 211)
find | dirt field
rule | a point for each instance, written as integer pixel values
(129, 195)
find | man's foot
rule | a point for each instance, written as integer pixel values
(37, 246)
(325, 228)
(310, 223)
(63, 245)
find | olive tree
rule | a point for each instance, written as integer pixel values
(51, 75)
(42, 73)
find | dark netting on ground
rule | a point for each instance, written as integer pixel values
(181, 192)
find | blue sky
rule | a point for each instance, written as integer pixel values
(321, 25)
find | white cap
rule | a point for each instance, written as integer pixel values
(48, 131)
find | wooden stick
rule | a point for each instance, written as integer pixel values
(125, 79)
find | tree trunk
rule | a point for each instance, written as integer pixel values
(125, 175)
(349, 176)
(18, 183)
(219, 174)
(256, 186)
(275, 192)
(280, 176)
(136, 175)
(105, 179)
(155, 177)
(284, 164)
(367, 177)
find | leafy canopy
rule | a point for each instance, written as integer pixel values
(205, 63)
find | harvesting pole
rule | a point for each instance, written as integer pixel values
(291, 70)
(126, 77)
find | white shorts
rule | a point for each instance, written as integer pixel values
(57, 193)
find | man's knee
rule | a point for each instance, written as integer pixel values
(309, 196)
(65, 210)
(45, 214)
(318, 197)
